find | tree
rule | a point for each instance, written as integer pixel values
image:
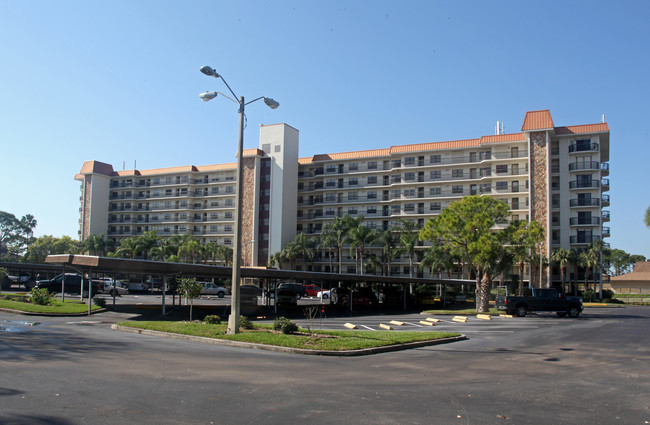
(524, 238)
(145, 242)
(15, 234)
(190, 289)
(360, 238)
(388, 241)
(95, 244)
(646, 219)
(466, 229)
(46, 245)
(328, 241)
(128, 248)
(190, 251)
(437, 258)
(339, 229)
(225, 253)
(408, 238)
(574, 260)
(588, 259)
(562, 256)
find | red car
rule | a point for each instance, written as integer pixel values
(311, 290)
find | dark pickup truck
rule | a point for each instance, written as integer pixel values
(541, 300)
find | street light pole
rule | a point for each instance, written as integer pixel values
(235, 309)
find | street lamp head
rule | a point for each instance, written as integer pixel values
(208, 95)
(271, 103)
(207, 70)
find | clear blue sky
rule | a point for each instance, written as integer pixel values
(119, 81)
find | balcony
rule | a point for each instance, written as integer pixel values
(584, 239)
(586, 165)
(594, 184)
(583, 147)
(591, 202)
(605, 199)
(605, 232)
(579, 221)
(604, 183)
(605, 215)
(604, 169)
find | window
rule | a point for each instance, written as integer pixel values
(227, 228)
(214, 203)
(331, 169)
(330, 211)
(409, 176)
(457, 173)
(502, 186)
(353, 181)
(409, 160)
(352, 210)
(372, 195)
(227, 241)
(230, 189)
(435, 175)
(330, 197)
(372, 165)
(215, 190)
(434, 191)
(330, 183)
(457, 189)
(435, 159)
(228, 215)
(395, 194)
(353, 196)
(229, 202)
(214, 216)
(214, 228)
(353, 166)
(372, 180)
(396, 178)
(409, 207)
(395, 209)
(435, 206)
(502, 169)
(397, 163)
(371, 210)
(409, 193)
(168, 192)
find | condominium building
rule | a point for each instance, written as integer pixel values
(554, 175)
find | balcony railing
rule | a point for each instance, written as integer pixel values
(592, 202)
(584, 185)
(605, 232)
(583, 147)
(605, 199)
(605, 215)
(584, 239)
(587, 165)
(590, 221)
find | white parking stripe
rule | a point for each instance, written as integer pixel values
(368, 327)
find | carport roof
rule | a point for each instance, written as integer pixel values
(121, 265)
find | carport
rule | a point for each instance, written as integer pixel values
(92, 264)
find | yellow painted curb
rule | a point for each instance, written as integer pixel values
(396, 323)
(425, 322)
(381, 325)
(431, 319)
(484, 316)
(350, 326)
(506, 315)
(461, 319)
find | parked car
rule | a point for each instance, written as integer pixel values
(323, 294)
(296, 288)
(210, 288)
(114, 288)
(541, 300)
(311, 290)
(72, 285)
(138, 286)
(361, 297)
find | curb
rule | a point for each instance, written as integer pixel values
(275, 348)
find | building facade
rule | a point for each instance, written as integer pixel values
(554, 175)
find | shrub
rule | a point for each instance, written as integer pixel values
(41, 296)
(613, 301)
(212, 319)
(99, 302)
(284, 325)
(245, 323)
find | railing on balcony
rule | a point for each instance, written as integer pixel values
(592, 202)
(583, 239)
(605, 232)
(605, 215)
(604, 183)
(584, 185)
(586, 147)
(604, 166)
(576, 221)
(587, 165)
(605, 199)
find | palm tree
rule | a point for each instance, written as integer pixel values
(588, 260)
(574, 260)
(128, 248)
(524, 237)
(360, 238)
(304, 246)
(29, 223)
(339, 229)
(328, 241)
(210, 250)
(408, 237)
(145, 242)
(388, 241)
(95, 244)
(437, 258)
(190, 250)
(562, 256)
(225, 253)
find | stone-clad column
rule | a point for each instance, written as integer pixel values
(539, 185)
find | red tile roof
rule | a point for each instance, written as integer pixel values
(537, 120)
(582, 129)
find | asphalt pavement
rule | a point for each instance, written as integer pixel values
(539, 369)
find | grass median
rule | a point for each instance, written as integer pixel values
(318, 340)
(56, 307)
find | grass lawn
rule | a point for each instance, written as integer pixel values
(68, 307)
(321, 340)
